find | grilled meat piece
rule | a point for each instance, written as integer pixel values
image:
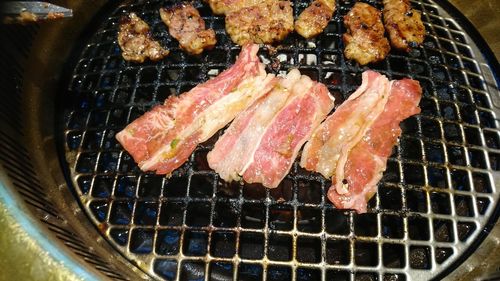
(364, 40)
(235, 148)
(403, 24)
(346, 126)
(352, 145)
(290, 128)
(366, 162)
(223, 7)
(315, 18)
(162, 139)
(262, 143)
(266, 23)
(186, 25)
(136, 41)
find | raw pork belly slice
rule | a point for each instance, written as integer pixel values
(368, 159)
(286, 134)
(162, 139)
(346, 126)
(262, 143)
(353, 144)
(236, 146)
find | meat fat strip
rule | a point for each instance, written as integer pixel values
(237, 145)
(346, 126)
(162, 139)
(292, 126)
(367, 161)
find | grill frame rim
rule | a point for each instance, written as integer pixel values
(494, 64)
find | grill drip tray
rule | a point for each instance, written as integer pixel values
(436, 197)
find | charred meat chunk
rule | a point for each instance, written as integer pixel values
(136, 41)
(313, 20)
(186, 25)
(265, 23)
(403, 24)
(364, 40)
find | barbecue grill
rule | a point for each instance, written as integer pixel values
(62, 105)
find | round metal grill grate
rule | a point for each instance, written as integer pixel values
(435, 198)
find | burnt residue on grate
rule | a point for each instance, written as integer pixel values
(435, 197)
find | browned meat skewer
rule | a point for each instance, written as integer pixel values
(403, 24)
(186, 25)
(364, 40)
(313, 20)
(136, 41)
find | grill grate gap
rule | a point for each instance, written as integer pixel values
(195, 226)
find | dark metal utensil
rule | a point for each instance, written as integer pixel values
(31, 11)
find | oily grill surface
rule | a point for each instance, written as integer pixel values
(434, 200)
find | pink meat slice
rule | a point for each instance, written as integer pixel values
(237, 145)
(326, 151)
(162, 139)
(367, 160)
(292, 126)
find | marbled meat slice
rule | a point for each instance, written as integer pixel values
(368, 159)
(136, 41)
(309, 103)
(266, 23)
(327, 147)
(186, 25)
(365, 41)
(403, 24)
(314, 19)
(162, 139)
(237, 145)
(223, 7)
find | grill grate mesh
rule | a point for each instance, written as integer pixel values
(435, 198)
